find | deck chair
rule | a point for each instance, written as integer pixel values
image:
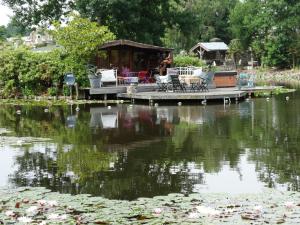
(108, 76)
(176, 85)
(207, 78)
(161, 84)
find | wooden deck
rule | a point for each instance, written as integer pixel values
(149, 92)
(212, 94)
(159, 96)
(121, 89)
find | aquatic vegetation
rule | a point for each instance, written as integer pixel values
(276, 91)
(44, 101)
(40, 206)
(290, 78)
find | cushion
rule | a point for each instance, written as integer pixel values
(108, 76)
(197, 72)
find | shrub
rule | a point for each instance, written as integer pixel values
(52, 91)
(186, 60)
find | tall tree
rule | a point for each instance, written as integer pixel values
(2, 33)
(200, 20)
(271, 28)
(39, 12)
(15, 28)
(138, 20)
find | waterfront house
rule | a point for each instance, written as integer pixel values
(132, 55)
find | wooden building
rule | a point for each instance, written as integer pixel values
(133, 55)
(211, 51)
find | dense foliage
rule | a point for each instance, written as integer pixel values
(81, 38)
(268, 29)
(186, 60)
(23, 72)
(271, 28)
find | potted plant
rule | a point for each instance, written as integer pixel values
(94, 78)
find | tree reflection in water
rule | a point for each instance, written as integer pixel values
(128, 152)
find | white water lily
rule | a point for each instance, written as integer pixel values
(53, 216)
(158, 210)
(24, 219)
(42, 202)
(43, 223)
(258, 209)
(9, 213)
(193, 215)
(208, 211)
(63, 217)
(289, 205)
(32, 209)
(52, 203)
(20, 142)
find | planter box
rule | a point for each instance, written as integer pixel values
(95, 81)
(225, 79)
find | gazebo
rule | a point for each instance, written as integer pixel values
(211, 51)
(132, 55)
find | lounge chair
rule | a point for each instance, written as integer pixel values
(161, 82)
(246, 80)
(207, 79)
(108, 76)
(176, 85)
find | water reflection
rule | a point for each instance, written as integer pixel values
(129, 151)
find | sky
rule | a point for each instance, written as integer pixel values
(5, 12)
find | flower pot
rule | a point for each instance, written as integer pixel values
(94, 81)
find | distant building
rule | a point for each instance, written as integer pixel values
(35, 39)
(211, 51)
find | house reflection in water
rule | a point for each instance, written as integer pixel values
(128, 123)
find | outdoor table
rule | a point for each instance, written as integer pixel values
(190, 79)
(194, 82)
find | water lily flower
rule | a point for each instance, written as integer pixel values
(24, 219)
(9, 213)
(193, 215)
(53, 216)
(258, 209)
(63, 217)
(158, 210)
(43, 223)
(208, 211)
(32, 209)
(42, 202)
(289, 205)
(20, 142)
(52, 203)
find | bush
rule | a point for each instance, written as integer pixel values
(23, 72)
(52, 91)
(186, 60)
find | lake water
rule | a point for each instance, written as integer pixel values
(131, 151)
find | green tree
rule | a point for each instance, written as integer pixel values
(2, 33)
(137, 20)
(30, 13)
(16, 28)
(199, 20)
(235, 50)
(271, 28)
(81, 37)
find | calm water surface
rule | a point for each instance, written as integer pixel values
(135, 151)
